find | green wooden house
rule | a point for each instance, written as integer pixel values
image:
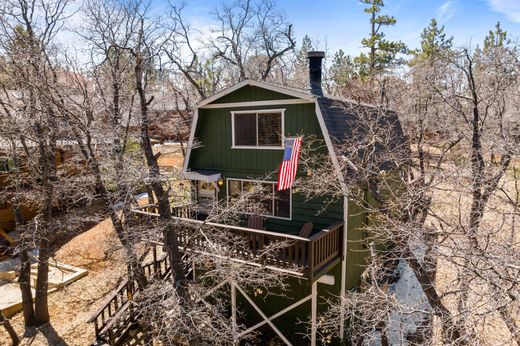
(242, 131)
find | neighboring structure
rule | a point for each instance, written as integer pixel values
(242, 130)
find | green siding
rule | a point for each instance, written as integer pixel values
(214, 132)
(357, 250)
(294, 323)
(252, 93)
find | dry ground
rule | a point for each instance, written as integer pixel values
(71, 307)
(453, 204)
(98, 251)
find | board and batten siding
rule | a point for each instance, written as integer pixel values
(214, 133)
(252, 93)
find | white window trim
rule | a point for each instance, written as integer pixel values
(273, 199)
(256, 111)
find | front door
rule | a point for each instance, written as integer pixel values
(207, 195)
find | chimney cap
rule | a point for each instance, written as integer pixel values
(316, 54)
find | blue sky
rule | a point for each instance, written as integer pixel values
(342, 23)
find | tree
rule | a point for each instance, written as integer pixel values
(180, 304)
(382, 53)
(252, 39)
(12, 333)
(496, 38)
(438, 204)
(300, 68)
(342, 70)
(27, 31)
(203, 72)
(433, 41)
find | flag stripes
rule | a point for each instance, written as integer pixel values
(289, 165)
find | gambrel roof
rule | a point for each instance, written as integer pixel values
(339, 114)
(337, 117)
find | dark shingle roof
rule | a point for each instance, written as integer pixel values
(347, 120)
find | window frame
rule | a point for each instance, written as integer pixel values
(256, 112)
(272, 200)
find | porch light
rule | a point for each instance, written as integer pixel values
(220, 182)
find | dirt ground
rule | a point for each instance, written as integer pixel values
(96, 250)
(171, 156)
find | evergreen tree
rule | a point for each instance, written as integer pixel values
(496, 38)
(301, 68)
(382, 52)
(433, 41)
(306, 47)
(342, 69)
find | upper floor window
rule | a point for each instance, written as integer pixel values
(258, 129)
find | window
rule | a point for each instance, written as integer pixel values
(276, 203)
(252, 129)
(4, 165)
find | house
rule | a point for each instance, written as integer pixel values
(242, 131)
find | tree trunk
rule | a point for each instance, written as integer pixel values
(135, 269)
(47, 158)
(24, 278)
(452, 331)
(24, 281)
(172, 246)
(41, 304)
(10, 329)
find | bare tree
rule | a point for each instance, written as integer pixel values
(458, 111)
(252, 39)
(28, 29)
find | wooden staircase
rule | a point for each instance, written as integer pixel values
(115, 322)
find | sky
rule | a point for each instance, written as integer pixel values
(341, 24)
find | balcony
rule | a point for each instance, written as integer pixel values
(299, 256)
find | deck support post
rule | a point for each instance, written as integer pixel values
(234, 309)
(314, 312)
(343, 271)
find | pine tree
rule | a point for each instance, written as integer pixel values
(382, 52)
(496, 38)
(433, 41)
(342, 69)
(307, 46)
(301, 72)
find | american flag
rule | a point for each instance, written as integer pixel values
(289, 164)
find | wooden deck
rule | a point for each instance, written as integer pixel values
(305, 257)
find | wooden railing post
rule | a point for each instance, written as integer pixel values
(154, 251)
(310, 251)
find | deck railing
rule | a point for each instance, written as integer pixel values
(114, 318)
(305, 256)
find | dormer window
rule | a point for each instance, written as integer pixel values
(262, 129)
